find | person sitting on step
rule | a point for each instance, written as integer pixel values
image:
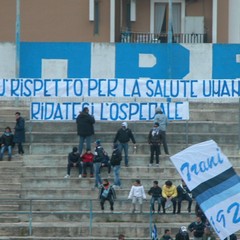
(106, 192)
(7, 143)
(74, 160)
(87, 161)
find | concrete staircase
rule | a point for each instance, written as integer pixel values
(44, 205)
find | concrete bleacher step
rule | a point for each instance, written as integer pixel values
(142, 148)
(66, 229)
(86, 205)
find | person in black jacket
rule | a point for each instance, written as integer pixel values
(123, 136)
(74, 160)
(156, 193)
(115, 161)
(6, 143)
(85, 128)
(106, 192)
(154, 139)
(184, 194)
(19, 134)
(99, 156)
(197, 228)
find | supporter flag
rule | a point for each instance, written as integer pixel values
(214, 184)
(154, 233)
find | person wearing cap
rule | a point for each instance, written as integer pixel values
(87, 161)
(123, 136)
(115, 161)
(74, 160)
(154, 140)
(19, 133)
(162, 120)
(85, 128)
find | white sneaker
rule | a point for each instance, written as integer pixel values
(80, 176)
(150, 165)
(67, 176)
(157, 165)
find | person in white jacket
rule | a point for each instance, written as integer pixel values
(137, 194)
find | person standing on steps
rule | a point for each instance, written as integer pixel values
(6, 143)
(154, 140)
(99, 156)
(115, 161)
(123, 136)
(19, 133)
(162, 120)
(85, 128)
(137, 194)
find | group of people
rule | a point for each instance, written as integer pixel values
(85, 128)
(9, 139)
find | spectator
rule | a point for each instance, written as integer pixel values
(99, 156)
(121, 237)
(19, 134)
(6, 143)
(156, 193)
(116, 159)
(184, 194)
(85, 128)
(154, 139)
(182, 234)
(162, 119)
(169, 194)
(208, 234)
(166, 235)
(87, 161)
(123, 136)
(106, 163)
(199, 212)
(74, 160)
(137, 194)
(197, 228)
(107, 192)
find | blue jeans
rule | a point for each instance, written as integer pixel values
(81, 141)
(3, 149)
(158, 200)
(124, 146)
(116, 171)
(98, 179)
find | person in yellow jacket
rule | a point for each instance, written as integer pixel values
(169, 196)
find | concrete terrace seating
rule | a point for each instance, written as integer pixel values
(36, 200)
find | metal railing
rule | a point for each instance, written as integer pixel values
(30, 203)
(132, 37)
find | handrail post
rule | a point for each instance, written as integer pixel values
(30, 219)
(90, 218)
(150, 221)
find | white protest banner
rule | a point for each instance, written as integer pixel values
(214, 184)
(108, 111)
(118, 87)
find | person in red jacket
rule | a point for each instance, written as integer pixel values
(87, 160)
